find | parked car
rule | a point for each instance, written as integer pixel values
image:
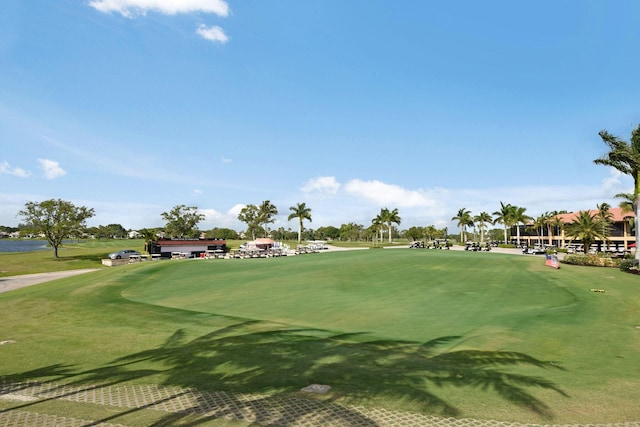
(123, 254)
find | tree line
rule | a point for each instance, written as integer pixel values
(60, 219)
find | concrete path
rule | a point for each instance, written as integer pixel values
(9, 283)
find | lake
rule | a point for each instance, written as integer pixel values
(11, 245)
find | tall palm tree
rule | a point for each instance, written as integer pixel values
(266, 212)
(302, 212)
(378, 223)
(606, 220)
(586, 228)
(390, 218)
(625, 157)
(626, 204)
(557, 226)
(539, 224)
(465, 220)
(504, 217)
(518, 217)
(482, 219)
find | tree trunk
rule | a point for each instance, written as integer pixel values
(299, 230)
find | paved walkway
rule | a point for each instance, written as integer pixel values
(251, 408)
(9, 283)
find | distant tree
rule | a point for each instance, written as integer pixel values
(222, 233)
(350, 231)
(378, 224)
(627, 206)
(518, 217)
(389, 218)
(414, 233)
(586, 228)
(465, 219)
(482, 219)
(149, 236)
(606, 220)
(302, 212)
(266, 213)
(56, 219)
(328, 233)
(250, 215)
(625, 157)
(182, 221)
(504, 216)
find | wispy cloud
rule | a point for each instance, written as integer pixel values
(51, 169)
(226, 160)
(6, 168)
(131, 8)
(213, 34)
(323, 184)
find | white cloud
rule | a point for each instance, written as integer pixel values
(388, 194)
(197, 191)
(323, 184)
(226, 160)
(213, 33)
(51, 169)
(5, 168)
(130, 8)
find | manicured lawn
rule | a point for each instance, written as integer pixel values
(478, 335)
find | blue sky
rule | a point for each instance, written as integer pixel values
(132, 107)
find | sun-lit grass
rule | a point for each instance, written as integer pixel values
(479, 335)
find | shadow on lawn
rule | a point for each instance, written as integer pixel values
(253, 357)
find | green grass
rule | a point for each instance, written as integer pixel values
(72, 256)
(477, 335)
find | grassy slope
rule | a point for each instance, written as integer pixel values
(276, 325)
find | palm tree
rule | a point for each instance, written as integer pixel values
(606, 220)
(482, 219)
(390, 218)
(585, 227)
(266, 212)
(518, 217)
(556, 225)
(626, 205)
(625, 157)
(504, 217)
(302, 212)
(464, 219)
(539, 224)
(378, 224)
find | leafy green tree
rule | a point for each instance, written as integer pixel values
(586, 228)
(626, 204)
(302, 212)
(350, 231)
(482, 219)
(414, 233)
(266, 215)
(625, 157)
(465, 219)
(250, 215)
(328, 233)
(222, 233)
(182, 221)
(57, 219)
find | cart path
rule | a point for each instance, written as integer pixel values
(10, 283)
(255, 409)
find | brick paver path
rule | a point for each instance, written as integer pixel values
(252, 408)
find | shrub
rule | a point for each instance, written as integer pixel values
(629, 266)
(591, 260)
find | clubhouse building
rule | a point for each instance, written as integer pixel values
(621, 236)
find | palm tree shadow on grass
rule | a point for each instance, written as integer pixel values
(273, 364)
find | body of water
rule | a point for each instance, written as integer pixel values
(11, 245)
